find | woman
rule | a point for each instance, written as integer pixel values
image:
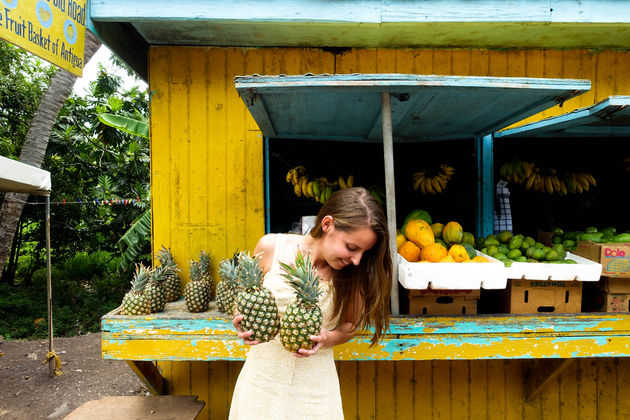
(349, 249)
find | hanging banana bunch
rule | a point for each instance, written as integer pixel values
(433, 182)
(319, 188)
(547, 180)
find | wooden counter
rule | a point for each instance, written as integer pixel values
(178, 335)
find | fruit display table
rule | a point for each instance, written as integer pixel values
(177, 334)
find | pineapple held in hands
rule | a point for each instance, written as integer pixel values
(198, 291)
(228, 288)
(135, 301)
(256, 302)
(155, 290)
(303, 317)
(172, 282)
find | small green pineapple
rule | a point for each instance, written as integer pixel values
(172, 281)
(228, 288)
(197, 292)
(135, 301)
(256, 302)
(303, 317)
(155, 290)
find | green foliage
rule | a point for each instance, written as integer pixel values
(135, 239)
(85, 287)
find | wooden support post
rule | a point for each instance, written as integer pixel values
(150, 375)
(390, 193)
(541, 374)
(52, 362)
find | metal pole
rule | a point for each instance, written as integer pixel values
(390, 193)
(51, 361)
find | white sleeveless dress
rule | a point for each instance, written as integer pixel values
(274, 384)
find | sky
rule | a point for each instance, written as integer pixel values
(91, 69)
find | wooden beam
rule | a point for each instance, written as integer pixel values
(541, 374)
(149, 374)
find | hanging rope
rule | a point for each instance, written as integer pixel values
(53, 355)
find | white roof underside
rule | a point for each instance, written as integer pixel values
(19, 177)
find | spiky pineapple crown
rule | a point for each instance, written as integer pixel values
(249, 271)
(303, 279)
(204, 262)
(196, 274)
(158, 274)
(228, 269)
(140, 278)
(168, 262)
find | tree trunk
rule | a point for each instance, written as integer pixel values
(36, 142)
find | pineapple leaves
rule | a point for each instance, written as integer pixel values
(304, 280)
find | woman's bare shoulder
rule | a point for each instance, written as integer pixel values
(267, 244)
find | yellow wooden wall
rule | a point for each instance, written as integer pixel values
(207, 193)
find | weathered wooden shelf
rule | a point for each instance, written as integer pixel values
(177, 334)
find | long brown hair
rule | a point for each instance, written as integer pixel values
(370, 282)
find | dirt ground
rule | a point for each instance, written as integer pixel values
(27, 392)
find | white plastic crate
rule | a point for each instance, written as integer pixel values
(584, 270)
(452, 276)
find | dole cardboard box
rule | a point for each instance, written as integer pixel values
(614, 258)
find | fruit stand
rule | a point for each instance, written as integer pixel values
(218, 184)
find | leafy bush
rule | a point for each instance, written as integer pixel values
(85, 288)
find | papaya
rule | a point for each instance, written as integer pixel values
(608, 229)
(417, 214)
(458, 252)
(433, 252)
(410, 251)
(504, 236)
(437, 230)
(419, 232)
(515, 242)
(452, 233)
(468, 238)
(593, 237)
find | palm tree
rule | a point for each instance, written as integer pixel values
(36, 142)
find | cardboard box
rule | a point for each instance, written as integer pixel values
(599, 300)
(614, 285)
(614, 258)
(443, 302)
(542, 296)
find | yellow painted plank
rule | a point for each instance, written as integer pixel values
(498, 63)
(385, 389)
(199, 385)
(366, 389)
(422, 389)
(220, 391)
(441, 384)
(607, 390)
(160, 141)
(460, 389)
(587, 393)
(478, 389)
(623, 387)
(516, 61)
(461, 62)
(606, 69)
(568, 393)
(550, 399)
(442, 62)
(480, 63)
(385, 61)
(404, 396)
(514, 396)
(218, 211)
(404, 61)
(348, 381)
(423, 62)
(496, 385)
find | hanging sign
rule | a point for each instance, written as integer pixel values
(51, 29)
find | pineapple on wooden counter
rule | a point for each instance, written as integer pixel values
(135, 301)
(198, 291)
(172, 281)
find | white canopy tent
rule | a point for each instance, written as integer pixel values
(22, 178)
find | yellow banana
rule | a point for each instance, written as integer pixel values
(350, 181)
(304, 186)
(289, 176)
(437, 187)
(530, 181)
(316, 189)
(548, 184)
(556, 183)
(441, 179)
(329, 191)
(309, 189)
(563, 187)
(342, 183)
(590, 178)
(583, 181)
(297, 189)
(417, 182)
(537, 183)
(429, 186)
(423, 187)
